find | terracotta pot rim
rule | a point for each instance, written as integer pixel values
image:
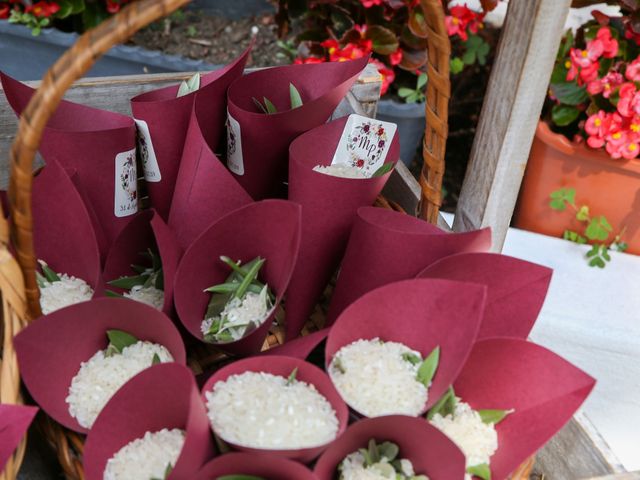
(564, 145)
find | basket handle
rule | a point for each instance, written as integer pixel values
(438, 91)
(69, 68)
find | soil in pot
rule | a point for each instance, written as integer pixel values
(609, 187)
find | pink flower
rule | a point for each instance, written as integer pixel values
(590, 73)
(584, 58)
(609, 44)
(629, 102)
(396, 57)
(605, 85)
(599, 125)
(633, 71)
(461, 19)
(370, 3)
(388, 75)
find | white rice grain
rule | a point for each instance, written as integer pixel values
(353, 468)
(477, 440)
(67, 291)
(341, 170)
(149, 295)
(260, 410)
(147, 457)
(374, 379)
(101, 376)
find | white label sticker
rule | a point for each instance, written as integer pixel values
(234, 146)
(364, 143)
(126, 187)
(147, 153)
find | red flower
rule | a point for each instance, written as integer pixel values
(633, 71)
(299, 61)
(43, 9)
(396, 57)
(629, 103)
(370, 3)
(4, 11)
(600, 125)
(388, 75)
(606, 84)
(462, 18)
(609, 44)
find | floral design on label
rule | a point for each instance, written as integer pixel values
(234, 146)
(147, 153)
(126, 184)
(364, 143)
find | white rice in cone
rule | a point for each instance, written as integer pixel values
(477, 440)
(147, 457)
(354, 467)
(149, 295)
(374, 378)
(341, 170)
(67, 291)
(259, 410)
(100, 377)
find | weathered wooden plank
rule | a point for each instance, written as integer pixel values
(512, 105)
(113, 93)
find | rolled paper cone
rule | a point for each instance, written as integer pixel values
(543, 389)
(72, 335)
(146, 231)
(422, 314)
(98, 145)
(329, 206)
(269, 229)
(516, 289)
(283, 366)
(300, 347)
(261, 141)
(63, 234)
(263, 466)
(386, 246)
(205, 190)
(166, 121)
(162, 396)
(430, 451)
(14, 423)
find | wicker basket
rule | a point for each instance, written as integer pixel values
(20, 295)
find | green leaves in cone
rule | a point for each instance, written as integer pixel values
(483, 471)
(493, 416)
(385, 459)
(412, 358)
(294, 94)
(267, 106)
(118, 341)
(428, 367)
(147, 276)
(47, 275)
(292, 377)
(156, 359)
(189, 86)
(445, 406)
(384, 169)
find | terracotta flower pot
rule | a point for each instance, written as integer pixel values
(608, 186)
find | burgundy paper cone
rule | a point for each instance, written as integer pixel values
(516, 289)
(329, 206)
(283, 366)
(421, 314)
(270, 229)
(264, 139)
(386, 246)
(14, 422)
(543, 389)
(163, 396)
(299, 347)
(205, 190)
(146, 230)
(167, 117)
(51, 349)
(92, 142)
(429, 450)
(63, 234)
(263, 466)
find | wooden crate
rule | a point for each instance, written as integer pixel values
(577, 452)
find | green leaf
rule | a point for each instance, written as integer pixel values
(405, 92)
(469, 57)
(597, 229)
(493, 416)
(422, 81)
(112, 294)
(374, 455)
(383, 170)
(412, 358)
(569, 93)
(388, 450)
(189, 86)
(291, 379)
(271, 108)
(566, 45)
(444, 406)
(456, 65)
(156, 359)
(413, 98)
(428, 367)
(128, 283)
(483, 471)
(583, 214)
(118, 341)
(620, 246)
(574, 237)
(49, 274)
(594, 251)
(259, 105)
(294, 94)
(563, 115)
(252, 274)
